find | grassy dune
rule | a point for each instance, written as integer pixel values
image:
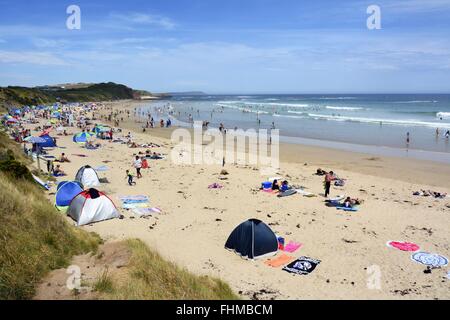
(150, 277)
(34, 237)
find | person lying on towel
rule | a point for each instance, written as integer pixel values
(349, 202)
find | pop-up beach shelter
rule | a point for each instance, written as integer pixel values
(253, 239)
(49, 142)
(88, 177)
(92, 206)
(66, 191)
(82, 137)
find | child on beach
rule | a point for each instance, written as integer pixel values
(130, 178)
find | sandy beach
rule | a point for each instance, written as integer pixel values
(196, 221)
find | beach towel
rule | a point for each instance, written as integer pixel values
(270, 191)
(292, 246)
(430, 259)
(129, 206)
(59, 175)
(142, 212)
(79, 155)
(403, 246)
(133, 199)
(279, 261)
(302, 266)
(337, 199)
(101, 168)
(354, 209)
(305, 193)
(215, 186)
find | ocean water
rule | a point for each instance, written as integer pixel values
(373, 122)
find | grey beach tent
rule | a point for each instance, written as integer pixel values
(88, 177)
(253, 239)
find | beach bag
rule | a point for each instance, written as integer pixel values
(267, 185)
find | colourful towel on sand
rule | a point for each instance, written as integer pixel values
(134, 199)
(404, 246)
(279, 261)
(101, 168)
(302, 266)
(270, 191)
(142, 212)
(292, 246)
(430, 259)
(215, 186)
(135, 205)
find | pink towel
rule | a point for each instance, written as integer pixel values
(292, 246)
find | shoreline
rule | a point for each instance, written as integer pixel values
(418, 171)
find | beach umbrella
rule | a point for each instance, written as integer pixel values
(34, 140)
(82, 137)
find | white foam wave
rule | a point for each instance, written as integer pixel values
(265, 104)
(417, 101)
(247, 110)
(337, 98)
(344, 108)
(303, 115)
(443, 115)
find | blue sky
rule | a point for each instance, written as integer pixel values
(246, 46)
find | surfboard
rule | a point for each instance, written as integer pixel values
(287, 193)
(41, 183)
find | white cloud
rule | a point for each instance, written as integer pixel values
(36, 58)
(145, 19)
(419, 6)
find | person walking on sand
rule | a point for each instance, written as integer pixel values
(329, 177)
(138, 165)
(130, 178)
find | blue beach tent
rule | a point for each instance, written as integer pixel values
(49, 142)
(66, 191)
(253, 239)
